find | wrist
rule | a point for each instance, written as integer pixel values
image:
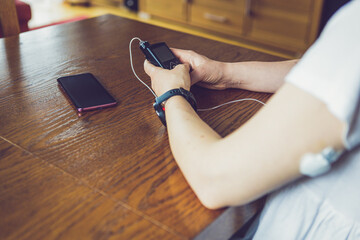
(160, 101)
(233, 75)
(174, 101)
(169, 87)
(179, 103)
(219, 68)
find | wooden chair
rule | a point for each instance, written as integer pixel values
(9, 24)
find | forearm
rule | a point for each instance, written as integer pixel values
(256, 76)
(249, 162)
(200, 154)
(220, 172)
(191, 142)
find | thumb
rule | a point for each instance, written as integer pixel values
(149, 68)
(185, 66)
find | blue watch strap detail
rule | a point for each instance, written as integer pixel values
(174, 92)
(178, 91)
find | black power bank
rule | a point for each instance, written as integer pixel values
(86, 92)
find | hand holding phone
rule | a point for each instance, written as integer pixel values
(86, 92)
(159, 54)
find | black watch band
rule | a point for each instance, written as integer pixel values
(159, 108)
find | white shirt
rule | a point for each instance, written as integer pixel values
(328, 206)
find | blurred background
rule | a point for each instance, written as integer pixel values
(284, 28)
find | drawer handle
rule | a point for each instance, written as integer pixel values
(215, 18)
(248, 8)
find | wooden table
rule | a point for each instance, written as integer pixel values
(108, 174)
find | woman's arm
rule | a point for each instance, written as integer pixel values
(253, 76)
(256, 76)
(259, 157)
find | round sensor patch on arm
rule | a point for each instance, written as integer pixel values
(313, 165)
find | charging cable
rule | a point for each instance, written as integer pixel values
(200, 110)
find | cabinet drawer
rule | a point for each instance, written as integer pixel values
(174, 10)
(229, 5)
(216, 19)
(280, 33)
(293, 6)
(282, 23)
(115, 3)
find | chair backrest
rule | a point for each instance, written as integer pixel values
(9, 23)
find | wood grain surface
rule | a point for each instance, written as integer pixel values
(40, 201)
(108, 173)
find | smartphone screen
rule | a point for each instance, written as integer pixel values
(163, 53)
(86, 92)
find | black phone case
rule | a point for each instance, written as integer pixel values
(86, 92)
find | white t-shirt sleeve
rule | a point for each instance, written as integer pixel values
(330, 69)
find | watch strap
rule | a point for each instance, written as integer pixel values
(178, 91)
(160, 110)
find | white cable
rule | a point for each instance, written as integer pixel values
(200, 110)
(132, 66)
(234, 101)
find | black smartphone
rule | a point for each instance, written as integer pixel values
(159, 54)
(86, 92)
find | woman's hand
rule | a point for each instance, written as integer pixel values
(163, 80)
(253, 76)
(206, 72)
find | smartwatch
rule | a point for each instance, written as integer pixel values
(159, 107)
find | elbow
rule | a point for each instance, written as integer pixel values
(215, 190)
(206, 187)
(211, 206)
(210, 190)
(205, 183)
(210, 199)
(214, 199)
(211, 179)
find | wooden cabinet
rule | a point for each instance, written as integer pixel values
(115, 3)
(221, 16)
(289, 25)
(173, 10)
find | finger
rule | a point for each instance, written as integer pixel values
(183, 55)
(149, 68)
(178, 52)
(210, 86)
(183, 67)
